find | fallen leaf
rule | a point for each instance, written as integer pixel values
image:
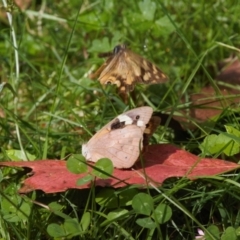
(209, 102)
(230, 71)
(161, 162)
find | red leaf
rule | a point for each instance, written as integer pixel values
(161, 162)
(230, 72)
(210, 102)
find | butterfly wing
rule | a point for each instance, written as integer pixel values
(125, 68)
(122, 146)
(151, 127)
(145, 71)
(116, 71)
(121, 139)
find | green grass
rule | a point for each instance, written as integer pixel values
(50, 107)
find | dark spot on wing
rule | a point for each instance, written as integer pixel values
(117, 124)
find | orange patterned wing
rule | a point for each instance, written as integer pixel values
(125, 68)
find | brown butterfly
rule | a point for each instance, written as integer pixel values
(125, 68)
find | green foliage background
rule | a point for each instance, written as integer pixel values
(49, 107)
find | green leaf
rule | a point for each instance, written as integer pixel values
(126, 196)
(146, 223)
(84, 180)
(143, 203)
(100, 45)
(214, 231)
(162, 213)
(85, 221)
(72, 227)
(11, 218)
(117, 38)
(77, 164)
(229, 145)
(55, 230)
(107, 198)
(148, 9)
(232, 130)
(116, 213)
(16, 155)
(209, 146)
(91, 20)
(229, 233)
(164, 26)
(103, 168)
(213, 144)
(15, 208)
(54, 206)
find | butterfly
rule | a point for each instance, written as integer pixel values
(151, 127)
(125, 68)
(121, 140)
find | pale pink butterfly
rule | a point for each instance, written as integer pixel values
(121, 140)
